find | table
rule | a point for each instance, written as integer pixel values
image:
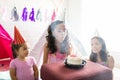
(91, 71)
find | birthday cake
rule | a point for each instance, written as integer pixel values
(74, 60)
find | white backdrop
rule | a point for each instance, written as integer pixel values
(83, 16)
(87, 16)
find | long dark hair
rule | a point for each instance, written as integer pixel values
(103, 52)
(15, 47)
(51, 39)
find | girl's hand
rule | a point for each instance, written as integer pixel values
(36, 72)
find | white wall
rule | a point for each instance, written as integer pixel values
(85, 16)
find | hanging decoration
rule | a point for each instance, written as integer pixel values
(31, 16)
(39, 15)
(53, 16)
(14, 14)
(48, 16)
(24, 14)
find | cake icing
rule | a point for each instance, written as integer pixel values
(74, 60)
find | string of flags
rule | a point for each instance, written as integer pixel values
(31, 16)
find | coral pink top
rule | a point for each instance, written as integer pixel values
(56, 57)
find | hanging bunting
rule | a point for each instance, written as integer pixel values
(24, 14)
(53, 16)
(31, 16)
(14, 14)
(39, 15)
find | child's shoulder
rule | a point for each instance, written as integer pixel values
(30, 57)
(14, 61)
(45, 45)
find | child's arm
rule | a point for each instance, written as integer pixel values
(13, 74)
(111, 62)
(45, 56)
(36, 72)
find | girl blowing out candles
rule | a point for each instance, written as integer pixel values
(57, 47)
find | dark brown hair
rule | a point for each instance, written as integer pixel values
(51, 39)
(15, 47)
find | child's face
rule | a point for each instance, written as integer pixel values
(96, 46)
(60, 32)
(23, 51)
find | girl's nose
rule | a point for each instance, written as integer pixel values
(93, 46)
